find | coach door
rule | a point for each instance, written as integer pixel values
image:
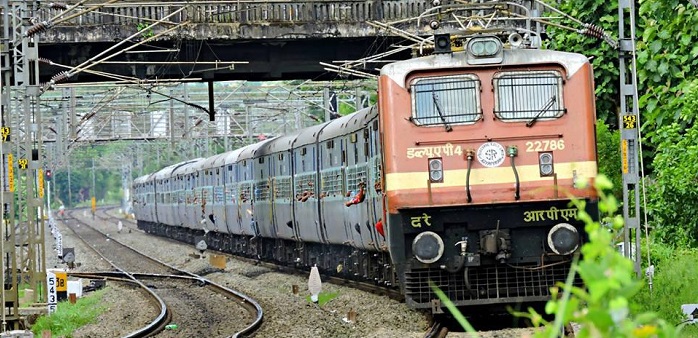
(331, 187)
(246, 196)
(357, 184)
(305, 192)
(262, 196)
(374, 189)
(283, 196)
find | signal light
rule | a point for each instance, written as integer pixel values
(545, 164)
(49, 175)
(436, 170)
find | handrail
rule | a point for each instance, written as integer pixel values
(249, 12)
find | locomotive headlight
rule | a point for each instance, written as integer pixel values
(484, 50)
(484, 47)
(545, 163)
(428, 247)
(436, 170)
(563, 239)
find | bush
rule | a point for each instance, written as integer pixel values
(672, 195)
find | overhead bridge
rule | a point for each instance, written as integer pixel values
(219, 40)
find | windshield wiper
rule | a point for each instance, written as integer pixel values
(437, 103)
(545, 108)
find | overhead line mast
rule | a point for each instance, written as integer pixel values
(629, 124)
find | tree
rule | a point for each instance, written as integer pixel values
(667, 60)
(604, 57)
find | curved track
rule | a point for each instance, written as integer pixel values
(199, 306)
(107, 215)
(441, 325)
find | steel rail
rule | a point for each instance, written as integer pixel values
(157, 324)
(247, 302)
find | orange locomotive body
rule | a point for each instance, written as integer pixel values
(483, 150)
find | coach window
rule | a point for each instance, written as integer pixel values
(528, 96)
(446, 100)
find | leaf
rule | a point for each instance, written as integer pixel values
(608, 18)
(664, 35)
(663, 68)
(685, 40)
(651, 65)
(694, 51)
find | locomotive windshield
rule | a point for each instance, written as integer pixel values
(446, 100)
(528, 96)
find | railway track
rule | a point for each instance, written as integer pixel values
(107, 214)
(437, 327)
(198, 306)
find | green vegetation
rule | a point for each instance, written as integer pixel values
(69, 317)
(613, 302)
(145, 33)
(673, 285)
(602, 306)
(607, 147)
(604, 58)
(674, 185)
(324, 298)
(667, 60)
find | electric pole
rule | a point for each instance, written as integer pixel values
(629, 132)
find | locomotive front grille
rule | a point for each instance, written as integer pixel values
(485, 285)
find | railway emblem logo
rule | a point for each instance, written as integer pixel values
(491, 154)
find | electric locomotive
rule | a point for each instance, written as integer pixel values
(460, 176)
(477, 198)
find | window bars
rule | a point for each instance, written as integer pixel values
(530, 95)
(446, 100)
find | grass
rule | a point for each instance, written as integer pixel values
(69, 317)
(675, 283)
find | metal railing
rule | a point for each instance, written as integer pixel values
(248, 12)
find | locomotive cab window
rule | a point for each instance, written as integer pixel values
(446, 100)
(528, 96)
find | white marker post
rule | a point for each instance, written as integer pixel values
(52, 301)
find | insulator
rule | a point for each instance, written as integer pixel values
(60, 77)
(58, 5)
(45, 60)
(38, 28)
(593, 31)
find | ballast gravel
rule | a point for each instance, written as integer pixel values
(285, 314)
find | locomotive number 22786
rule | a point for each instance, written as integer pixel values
(545, 145)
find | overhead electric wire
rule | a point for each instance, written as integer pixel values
(92, 61)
